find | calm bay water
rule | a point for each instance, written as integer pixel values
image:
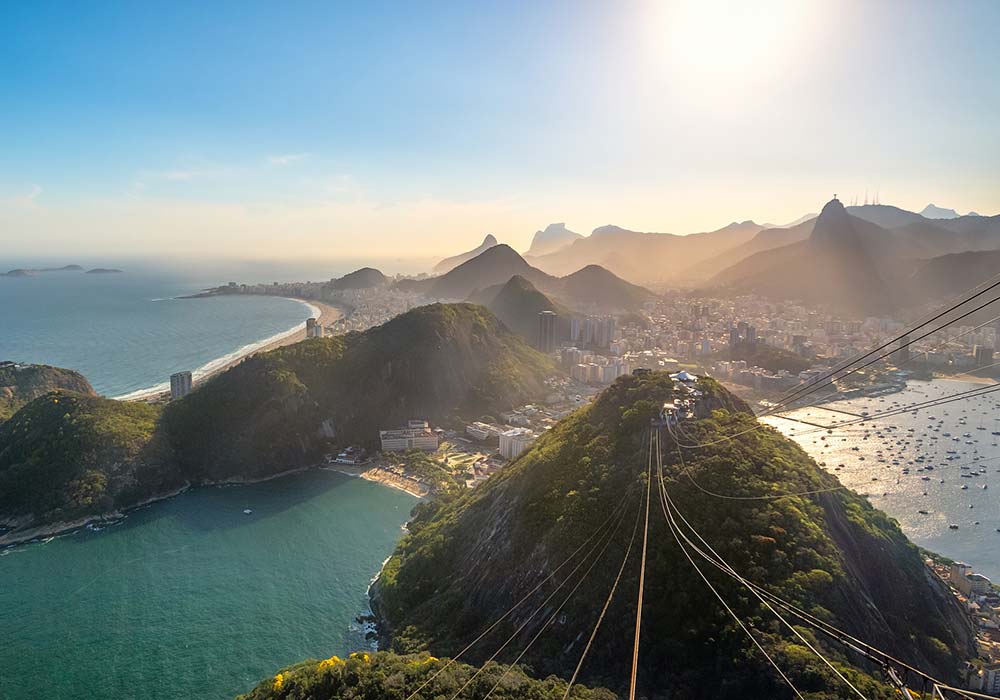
(127, 332)
(937, 446)
(190, 597)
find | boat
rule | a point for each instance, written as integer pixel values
(247, 511)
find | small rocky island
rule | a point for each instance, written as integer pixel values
(30, 271)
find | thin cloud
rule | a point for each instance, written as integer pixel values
(287, 158)
(25, 200)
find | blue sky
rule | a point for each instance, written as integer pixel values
(329, 129)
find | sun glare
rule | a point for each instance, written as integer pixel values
(721, 46)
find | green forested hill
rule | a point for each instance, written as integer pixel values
(66, 455)
(466, 561)
(274, 410)
(20, 384)
(71, 454)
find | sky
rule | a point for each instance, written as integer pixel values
(333, 129)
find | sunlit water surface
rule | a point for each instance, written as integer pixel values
(944, 460)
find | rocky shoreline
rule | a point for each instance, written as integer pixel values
(22, 536)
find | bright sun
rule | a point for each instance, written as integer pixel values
(719, 46)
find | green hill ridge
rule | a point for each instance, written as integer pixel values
(22, 383)
(273, 412)
(466, 560)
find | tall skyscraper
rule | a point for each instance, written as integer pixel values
(547, 331)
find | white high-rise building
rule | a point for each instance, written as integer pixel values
(180, 385)
(515, 441)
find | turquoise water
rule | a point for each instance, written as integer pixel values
(190, 598)
(127, 332)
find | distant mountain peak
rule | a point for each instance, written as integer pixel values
(552, 238)
(833, 221)
(932, 211)
(454, 261)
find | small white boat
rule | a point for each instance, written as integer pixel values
(247, 511)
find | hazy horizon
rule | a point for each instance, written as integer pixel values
(345, 132)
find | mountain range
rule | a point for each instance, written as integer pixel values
(905, 237)
(590, 288)
(644, 257)
(872, 259)
(892, 243)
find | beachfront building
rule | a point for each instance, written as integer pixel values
(180, 385)
(482, 431)
(515, 441)
(417, 435)
(313, 329)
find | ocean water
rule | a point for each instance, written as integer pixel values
(190, 597)
(937, 445)
(128, 332)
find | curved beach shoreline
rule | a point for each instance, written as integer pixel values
(325, 313)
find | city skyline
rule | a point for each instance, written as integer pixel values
(302, 131)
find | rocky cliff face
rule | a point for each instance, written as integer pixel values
(466, 561)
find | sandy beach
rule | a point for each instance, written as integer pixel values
(382, 476)
(970, 378)
(327, 315)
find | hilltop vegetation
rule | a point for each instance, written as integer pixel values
(769, 357)
(383, 676)
(273, 412)
(66, 455)
(277, 409)
(20, 384)
(465, 561)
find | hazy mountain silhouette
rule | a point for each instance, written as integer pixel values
(598, 286)
(518, 303)
(456, 260)
(768, 239)
(949, 275)
(836, 266)
(640, 257)
(885, 215)
(364, 278)
(493, 266)
(934, 212)
(554, 237)
(593, 287)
